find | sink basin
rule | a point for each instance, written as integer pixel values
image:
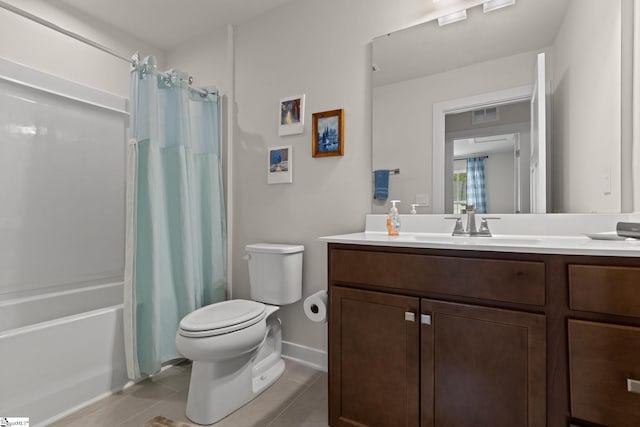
(523, 240)
(502, 240)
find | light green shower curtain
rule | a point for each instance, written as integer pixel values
(176, 236)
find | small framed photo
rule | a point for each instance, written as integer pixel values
(328, 134)
(291, 118)
(280, 165)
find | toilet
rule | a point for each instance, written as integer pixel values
(235, 345)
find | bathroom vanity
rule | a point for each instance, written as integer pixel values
(429, 330)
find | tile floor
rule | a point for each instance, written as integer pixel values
(298, 398)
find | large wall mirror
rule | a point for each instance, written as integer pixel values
(536, 96)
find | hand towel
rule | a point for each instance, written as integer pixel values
(381, 184)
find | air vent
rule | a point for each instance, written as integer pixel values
(485, 115)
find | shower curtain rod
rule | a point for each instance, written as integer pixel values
(80, 38)
(51, 25)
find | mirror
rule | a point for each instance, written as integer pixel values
(426, 75)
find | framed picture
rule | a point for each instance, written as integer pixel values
(328, 134)
(291, 117)
(280, 165)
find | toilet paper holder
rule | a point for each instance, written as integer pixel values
(315, 306)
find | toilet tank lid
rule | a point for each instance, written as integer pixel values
(274, 248)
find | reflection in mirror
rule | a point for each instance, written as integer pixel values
(587, 44)
(498, 137)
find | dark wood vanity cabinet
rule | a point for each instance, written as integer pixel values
(481, 366)
(604, 353)
(374, 359)
(604, 362)
(390, 349)
(434, 338)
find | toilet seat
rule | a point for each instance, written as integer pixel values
(221, 318)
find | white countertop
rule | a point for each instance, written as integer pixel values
(571, 243)
(567, 245)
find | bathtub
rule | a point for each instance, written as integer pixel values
(59, 351)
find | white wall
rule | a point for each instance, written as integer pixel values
(205, 58)
(36, 46)
(519, 112)
(581, 76)
(321, 49)
(403, 114)
(500, 181)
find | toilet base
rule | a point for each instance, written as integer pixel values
(217, 389)
(261, 382)
(210, 400)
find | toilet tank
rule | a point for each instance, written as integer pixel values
(275, 272)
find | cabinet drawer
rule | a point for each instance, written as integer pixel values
(603, 365)
(603, 289)
(492, 279)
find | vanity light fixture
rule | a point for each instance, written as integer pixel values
(492, 5)
(452, 17)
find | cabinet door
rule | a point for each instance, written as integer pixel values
(604, 366)
(373, 359)
(482, 366)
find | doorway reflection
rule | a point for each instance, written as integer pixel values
(487, 152)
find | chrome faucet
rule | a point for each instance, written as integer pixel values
(471, 230)
(471, 219)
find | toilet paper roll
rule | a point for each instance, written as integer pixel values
(315, 306)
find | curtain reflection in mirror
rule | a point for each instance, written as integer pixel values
(476, 194)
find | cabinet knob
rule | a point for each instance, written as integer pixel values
(425, 319)
(409, 316)
(633, 386)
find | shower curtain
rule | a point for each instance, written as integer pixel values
(476, 194)
(176, 235)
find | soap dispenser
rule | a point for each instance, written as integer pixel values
(393, 220)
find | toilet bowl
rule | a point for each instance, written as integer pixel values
(236, 345)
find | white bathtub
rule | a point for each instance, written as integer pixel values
(60, 351)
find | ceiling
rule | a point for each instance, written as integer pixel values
(427, 48)
(168, 23)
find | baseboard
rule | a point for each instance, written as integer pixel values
(304, 355)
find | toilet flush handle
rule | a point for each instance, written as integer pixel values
(246, 257)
